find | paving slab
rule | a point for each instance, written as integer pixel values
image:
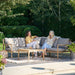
(52, 68)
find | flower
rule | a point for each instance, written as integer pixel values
(3, 61)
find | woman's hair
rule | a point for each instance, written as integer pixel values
(52, 33)
(26, 34)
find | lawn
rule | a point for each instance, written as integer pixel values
(1, 46)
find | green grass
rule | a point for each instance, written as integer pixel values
(1, 46)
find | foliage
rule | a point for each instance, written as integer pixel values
(2, 62)
(73, 16)
(19, 31)
(72, 47)
(1, 37)
(33, 29)
(1, 46)
(45, 15)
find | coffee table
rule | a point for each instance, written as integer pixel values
(29, 51)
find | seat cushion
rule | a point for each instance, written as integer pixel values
(15, 48)
(55, 49)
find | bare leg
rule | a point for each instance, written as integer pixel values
(45, 51)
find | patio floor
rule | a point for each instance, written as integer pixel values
(36, 66)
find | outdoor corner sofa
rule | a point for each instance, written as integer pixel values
(12, 45)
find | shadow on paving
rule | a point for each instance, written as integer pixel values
(38, 68)
(72, 64)
(66, 74)
(15, 64)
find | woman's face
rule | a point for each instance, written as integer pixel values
(51, 34)
(29, 33)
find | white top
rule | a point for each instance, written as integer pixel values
(51, 41)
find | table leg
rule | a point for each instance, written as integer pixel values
(43, 55)
(28, 55)
(18, 55)
(32, 54)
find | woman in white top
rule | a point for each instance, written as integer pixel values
(50, 40)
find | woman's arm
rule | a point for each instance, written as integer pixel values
(34, 37)
(57, 37)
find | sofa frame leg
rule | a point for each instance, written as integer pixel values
(57, 55)
(11, 54)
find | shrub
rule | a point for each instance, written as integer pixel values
(19, 31)
(34, 30)
(1, 36)
(72, 47)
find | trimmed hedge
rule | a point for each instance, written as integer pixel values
(19, 31)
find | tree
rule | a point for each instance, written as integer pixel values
(73, 16)
(51, 15)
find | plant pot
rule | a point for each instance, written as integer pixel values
(73, 55)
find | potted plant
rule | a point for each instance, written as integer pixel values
(72, 48)
(2, 63)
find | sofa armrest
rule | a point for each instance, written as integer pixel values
(10, 45)
(61, 45)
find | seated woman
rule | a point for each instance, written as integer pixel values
(49, 41)
(30, 43)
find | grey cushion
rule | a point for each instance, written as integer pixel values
(15, 48)
(42, 40)
(38, 39)
(7, 49)
(9, 41)
(21, 42)
(55, 43)
(55, 49)
(15, 40)
(38, 42)
(63, 41)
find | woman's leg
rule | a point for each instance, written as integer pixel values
(45, 46)
(32, 44)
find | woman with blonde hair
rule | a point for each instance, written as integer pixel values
(50, 40)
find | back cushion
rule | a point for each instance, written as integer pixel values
(38, 39)
(21, 41)
(15, 40)
(55, 43)
(42, 40)
(9, 41)
(63, 41)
